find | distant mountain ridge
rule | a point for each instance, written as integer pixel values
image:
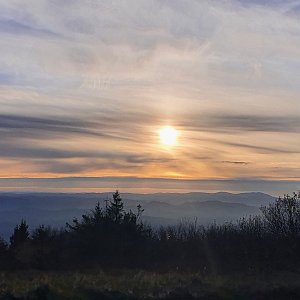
(56, 209)
(250, 198)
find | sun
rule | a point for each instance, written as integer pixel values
(168, 135)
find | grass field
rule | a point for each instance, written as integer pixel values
(143, 285)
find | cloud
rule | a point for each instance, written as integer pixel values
(14, 27)
(244, 163)
(77, 76)
(258, 123)
(13, 126)
(18, 150)
(261, 149)
(243, 123)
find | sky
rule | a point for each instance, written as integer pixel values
(86, 86)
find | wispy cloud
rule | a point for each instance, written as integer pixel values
(235, 162)
(14, 27)
(244, 123)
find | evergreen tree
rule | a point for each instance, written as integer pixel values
(20, 235)
(108, 235)
(4, 257)
(46, 244)
(95, 218)
(115, 209)
(20, 245)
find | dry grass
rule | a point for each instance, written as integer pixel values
(145, 285)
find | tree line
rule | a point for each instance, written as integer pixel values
(112, 237)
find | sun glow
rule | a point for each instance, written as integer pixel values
(168, 136)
